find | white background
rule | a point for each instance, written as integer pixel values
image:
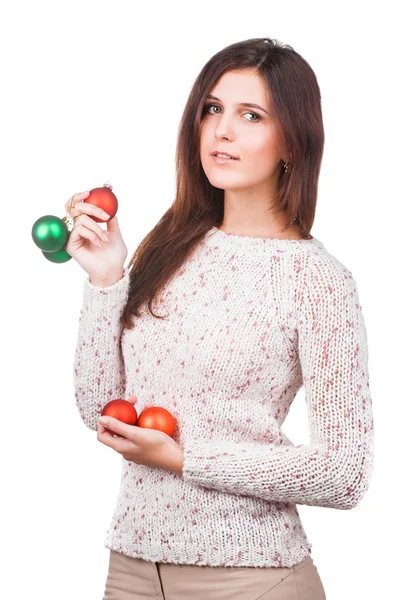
(94, 92)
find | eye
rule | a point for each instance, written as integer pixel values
(258, 118)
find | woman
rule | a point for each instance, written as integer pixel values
(253, 307)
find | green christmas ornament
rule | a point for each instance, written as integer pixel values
(50, 234)
(59, 256)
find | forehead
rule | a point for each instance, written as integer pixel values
(242, 86)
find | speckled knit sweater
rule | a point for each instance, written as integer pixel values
(251, 320)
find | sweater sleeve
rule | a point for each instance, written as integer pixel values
(99, 373)
(335, 469)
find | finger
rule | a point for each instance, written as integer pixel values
(81, 231)
(115, 426)
(90, 209)
(104, 434)
(112, 440)
(101, 429)
(76, 198)
(113, 225)
(91, 225)
(80, 196)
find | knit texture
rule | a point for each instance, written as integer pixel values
(250, 321)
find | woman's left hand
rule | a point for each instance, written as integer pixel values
(141, 445)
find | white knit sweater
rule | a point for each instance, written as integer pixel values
(250, 321)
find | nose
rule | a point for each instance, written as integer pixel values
(223, 128)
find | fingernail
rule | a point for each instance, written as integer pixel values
(105, 237)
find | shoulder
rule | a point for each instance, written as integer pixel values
(325, 300)
(319, 277)
(317, 264)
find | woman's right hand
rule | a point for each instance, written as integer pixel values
(102, 260)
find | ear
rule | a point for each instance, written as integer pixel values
(287, 157)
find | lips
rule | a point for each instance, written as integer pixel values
(226, 153)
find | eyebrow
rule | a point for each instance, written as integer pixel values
(248, 104)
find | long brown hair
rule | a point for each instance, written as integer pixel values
(198, 206)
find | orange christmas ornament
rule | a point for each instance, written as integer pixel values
(156, 417)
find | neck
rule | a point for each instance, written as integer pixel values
(252, 229)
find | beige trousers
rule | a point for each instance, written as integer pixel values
(136, 579)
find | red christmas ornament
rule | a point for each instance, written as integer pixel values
(122, 410)
(156, 417)
(104, 198)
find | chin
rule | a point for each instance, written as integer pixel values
(218, 178)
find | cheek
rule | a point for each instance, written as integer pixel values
(203, 144)
(263, 153)
(206, 138)
(263, 143)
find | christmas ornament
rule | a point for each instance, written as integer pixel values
(122, 410)
(156, 417)
(104, 198)
(51, 234)
(59, 256)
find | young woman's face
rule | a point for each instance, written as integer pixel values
(248, 133)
